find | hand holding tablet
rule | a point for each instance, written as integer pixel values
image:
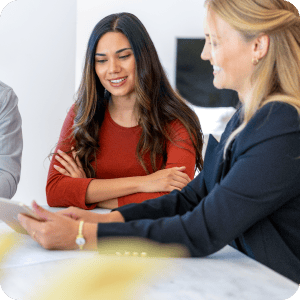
(9, 211)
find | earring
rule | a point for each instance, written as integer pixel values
(255, 61)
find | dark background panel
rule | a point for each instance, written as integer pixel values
(194, 77)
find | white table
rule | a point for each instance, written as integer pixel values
(227, 274)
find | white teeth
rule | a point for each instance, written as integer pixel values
(117, 81)
(216, 68)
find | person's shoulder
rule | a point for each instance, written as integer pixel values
(4, 91)
(69, 120)
(4, 86)
(177, 128)
(71, 112)
(277, 115)
(72, 109)
(175, 124)
(277, 108)
(8, 98)
(271, 120)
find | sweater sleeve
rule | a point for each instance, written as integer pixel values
(11, 142)
(61, 190)
(180, 153)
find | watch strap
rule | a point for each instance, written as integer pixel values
(80, 240)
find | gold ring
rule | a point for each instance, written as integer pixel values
(33, 234)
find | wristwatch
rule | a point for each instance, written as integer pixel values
(80, 240)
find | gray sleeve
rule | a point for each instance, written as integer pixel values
(11, 142)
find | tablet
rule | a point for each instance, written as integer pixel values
(9, 211)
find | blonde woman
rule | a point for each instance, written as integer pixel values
(248, 194)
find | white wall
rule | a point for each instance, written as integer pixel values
(37, 59)
(165, 20)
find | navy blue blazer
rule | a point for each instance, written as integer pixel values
(250, 200)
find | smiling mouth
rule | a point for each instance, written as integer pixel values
(216, 69)
(116, 81)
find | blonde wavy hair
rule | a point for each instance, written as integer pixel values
(277, 75)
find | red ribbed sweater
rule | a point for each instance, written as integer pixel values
(116, 159)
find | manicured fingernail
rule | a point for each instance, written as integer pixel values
(59, 151)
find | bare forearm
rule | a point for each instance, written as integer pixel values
(90, 235)
(161, 181)
(111, 217)
(90, 229)
(115, 216)
(107, 189)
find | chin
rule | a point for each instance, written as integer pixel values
(220, 85)
(217, 85)
(120, 94)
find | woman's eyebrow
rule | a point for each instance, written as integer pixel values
(121, 50)
(118, 51)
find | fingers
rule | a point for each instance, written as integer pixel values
(41, 212)
(184, 177)
(179, 168)
(169, 187)
(56, 232)
(178, 171)
(174, 184)
(69, 212)
(32, 226)
(180, 182)
(67, 161)
(177, 179)
(76, 158)
(72, 165)
(170, 184)
(78, 162)
(80, 168)
(70, 215)
(61, 170)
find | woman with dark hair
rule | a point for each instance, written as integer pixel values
(248, 193)
(129, 137)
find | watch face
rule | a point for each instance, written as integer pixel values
(80, 241)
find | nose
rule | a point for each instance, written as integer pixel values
(114, 66)
(205, 54)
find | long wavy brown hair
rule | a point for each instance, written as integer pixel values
(158, 104)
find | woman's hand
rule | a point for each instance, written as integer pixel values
(72, 166)
(79, 214)
(165, 180)
(57, 231)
